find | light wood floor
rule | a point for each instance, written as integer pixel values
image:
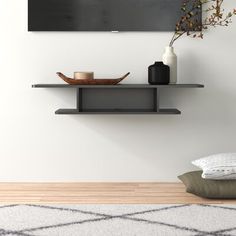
(80, 193)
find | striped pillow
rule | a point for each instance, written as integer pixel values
(219, 166)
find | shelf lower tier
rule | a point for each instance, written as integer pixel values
(117, 111)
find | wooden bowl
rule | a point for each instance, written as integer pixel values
(91, 81)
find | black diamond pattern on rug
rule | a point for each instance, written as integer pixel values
(118, 220)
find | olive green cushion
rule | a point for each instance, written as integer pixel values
(208, 188)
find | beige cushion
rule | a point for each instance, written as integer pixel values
(221, 189)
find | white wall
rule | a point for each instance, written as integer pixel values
(37, 145)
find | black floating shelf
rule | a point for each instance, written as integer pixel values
(118, 99)
(118, 111)
(118, 86)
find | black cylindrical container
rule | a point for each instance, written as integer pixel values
(158, 73)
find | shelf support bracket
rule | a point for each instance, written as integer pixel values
(79, 99)
(157, 99)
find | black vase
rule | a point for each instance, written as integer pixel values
(158, 73)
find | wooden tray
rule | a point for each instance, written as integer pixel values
(91, 81)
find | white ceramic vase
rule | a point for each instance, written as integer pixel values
(169, 58)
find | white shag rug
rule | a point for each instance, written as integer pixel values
(118, 220)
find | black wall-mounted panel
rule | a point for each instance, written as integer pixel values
(113, 99)
(103, 15)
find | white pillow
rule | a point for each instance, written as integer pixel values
(219, 166)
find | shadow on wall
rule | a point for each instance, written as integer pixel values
(201, 121)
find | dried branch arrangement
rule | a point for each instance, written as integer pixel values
(190, 25)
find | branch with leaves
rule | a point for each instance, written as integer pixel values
(191, 22)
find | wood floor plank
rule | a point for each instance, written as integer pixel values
(100, 193)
